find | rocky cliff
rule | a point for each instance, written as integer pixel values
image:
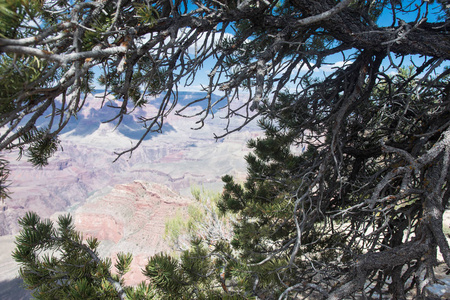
(178, 158)
(113, 201)
(130, 217)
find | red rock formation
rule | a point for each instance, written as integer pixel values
(130, 218)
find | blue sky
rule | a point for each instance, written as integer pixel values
(416, 11)
(333, 61)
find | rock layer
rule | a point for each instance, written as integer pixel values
(130, 217)
(178, 158)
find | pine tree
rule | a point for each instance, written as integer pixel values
(51, 53)
(359, 209)
(58, 263)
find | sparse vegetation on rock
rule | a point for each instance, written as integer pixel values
(202, 220)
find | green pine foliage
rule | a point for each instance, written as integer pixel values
(297, 219)
(31, 87)
(56, 264)
(42, 149)
(352, 169)
(11, 15)
(190, 277)
(205, 266)
(19, 73)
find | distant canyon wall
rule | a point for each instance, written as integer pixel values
(179, 157)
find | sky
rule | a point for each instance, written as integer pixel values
(335, 61)
(331, 62)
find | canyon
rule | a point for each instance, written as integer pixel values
(178, 157)
(123, 203)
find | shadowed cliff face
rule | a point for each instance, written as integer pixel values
(10, 284)
(178, 158)
(12, 290)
